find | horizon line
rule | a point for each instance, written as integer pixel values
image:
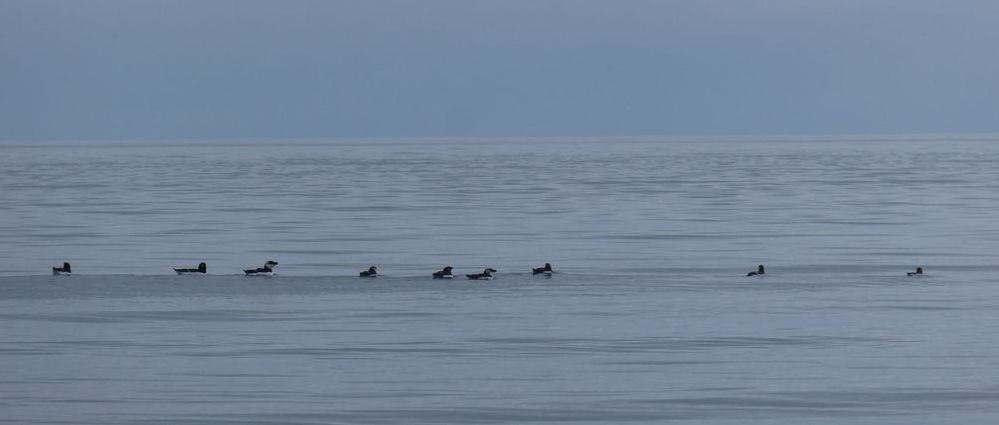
(804, 137)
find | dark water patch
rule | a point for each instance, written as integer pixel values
(248, 375)
(560, 346)
(70, 345)
(339, 330)
(121, 212)
(183, 232)
(907, 398)
(770, 404)
(63, 235)
(913, 368)
(333, 352)
(392, 314)
(66, 318)
(164, 315)
(244, 210)
(84, 400)
(7, 351)
(554, 211)
(381, 208)
(855, 252)
(439, 415)
(919, 307)
(663, 362)
(864, 223)
(321, 252)
(660, 237)
(596, 314)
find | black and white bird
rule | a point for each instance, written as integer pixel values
(201, 269)
(918, 272)
(370, 272)
(266, 270)
(61, 271)
(444, 273)
(547, 269)
(486, 274)
(760, 271)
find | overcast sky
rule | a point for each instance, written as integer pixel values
(381, 68)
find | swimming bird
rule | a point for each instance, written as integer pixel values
(370, 272)
(918, 272)
(202, 268)
(266, 270)
(759, 271)
(64, 270)
(444, 273)
(547, 269)
(487, 274)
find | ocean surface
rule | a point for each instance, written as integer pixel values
(648, 319)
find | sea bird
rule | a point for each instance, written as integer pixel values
(266, 270)
(547, 269)
(760, 271)
(444, 273)
(487, 274)
(202, 268)
(64, 270)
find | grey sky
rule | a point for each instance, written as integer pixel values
(379, 68)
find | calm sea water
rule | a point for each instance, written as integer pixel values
(649, 320)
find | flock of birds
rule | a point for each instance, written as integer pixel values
(371, 272)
